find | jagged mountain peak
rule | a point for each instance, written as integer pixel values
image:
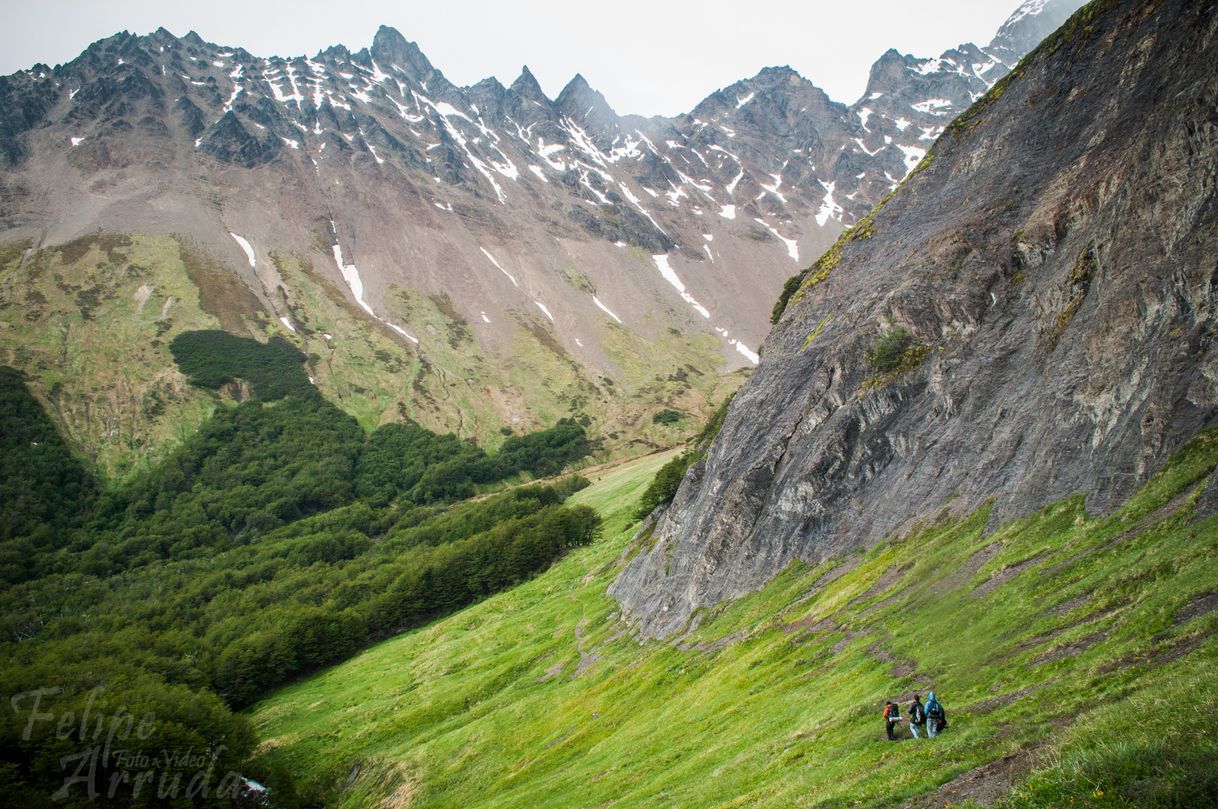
(576, 91)
(779, 73)
(490, 85)
(527, 86)
(390, 48)
(338, 53)
(585, 105)
(777, 83)
(1031, 22)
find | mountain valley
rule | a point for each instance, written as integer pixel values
(371, 441)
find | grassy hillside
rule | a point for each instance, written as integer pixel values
(90, 323)
(1077, 649)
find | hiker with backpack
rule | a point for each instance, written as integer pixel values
(917, 716)
(892, 719)
(936, 717)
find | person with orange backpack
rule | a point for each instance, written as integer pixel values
(892, 719)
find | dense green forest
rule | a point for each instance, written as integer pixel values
(44, 490)
(278, 539)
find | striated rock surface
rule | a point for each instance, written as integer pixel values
(1031, 316)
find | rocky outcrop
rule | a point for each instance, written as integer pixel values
(1032, 316)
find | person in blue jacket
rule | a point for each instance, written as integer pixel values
(936, 717)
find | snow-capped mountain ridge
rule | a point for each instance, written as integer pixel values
(493, 196)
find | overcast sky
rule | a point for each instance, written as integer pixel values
(651, 58)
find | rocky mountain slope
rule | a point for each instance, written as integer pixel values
(1030, 317)
(477, 238)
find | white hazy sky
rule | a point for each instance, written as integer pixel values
(650, 58)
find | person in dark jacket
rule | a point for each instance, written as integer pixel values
(917, 716)
(892, 719)
(936, 717)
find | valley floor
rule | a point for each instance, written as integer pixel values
(1075, 656)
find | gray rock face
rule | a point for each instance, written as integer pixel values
(1054, 267)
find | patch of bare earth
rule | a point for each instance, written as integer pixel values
(405, 787)
(809, 625)
(715, 644)
(965, 572)
(985, 784)
(879, 605)
(1163, 512)
(587, 657)
(1174, 648)
(1069, 605)
(1071, 649)
(900, 668)
(1159, 656)
(1199, 605)
(885, 581)
(846, 640)
(1064, 608)
(994, 703)
(1004, 575)
(831, 575)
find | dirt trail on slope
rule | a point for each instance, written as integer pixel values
(984, 784)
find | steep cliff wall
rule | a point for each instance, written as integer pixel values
(1031, 315)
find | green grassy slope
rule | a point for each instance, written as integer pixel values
(1081, 649)
(90, 322)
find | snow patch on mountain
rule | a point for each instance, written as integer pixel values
(500, 267)
(245, 246)
(792, 246)
(745, 351)
(913, 156)
(671, 277)
(829, 209)
(933, 106)
(605, 309)
(401, 331)
(351, 276)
